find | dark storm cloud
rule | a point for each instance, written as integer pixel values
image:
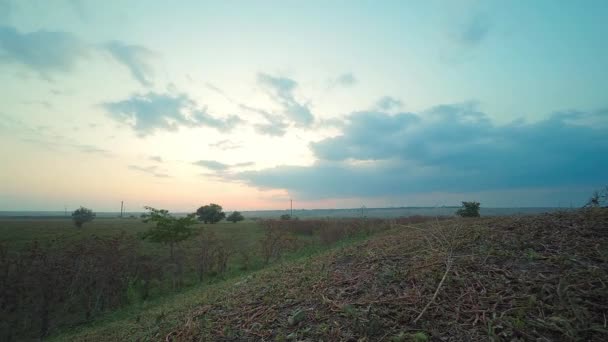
(447, 148)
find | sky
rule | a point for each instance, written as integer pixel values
(334, 104)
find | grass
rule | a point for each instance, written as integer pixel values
(532, 278)
(243, 236)
(144, 321)
(19, 232)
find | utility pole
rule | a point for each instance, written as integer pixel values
(290, 208)
(121, 207)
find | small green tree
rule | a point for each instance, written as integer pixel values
(82, 215)
(169, 230)
(285, 217)
(235, 217)
(211, 213)
(469, 209)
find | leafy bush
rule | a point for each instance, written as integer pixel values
(469, 209)
(82, 215)
(235, 217)
(169, 230)
(211, 213)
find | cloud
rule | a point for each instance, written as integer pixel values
(46, 138)
(346, 80)
(474, 30)
(281, 89)
(219, 167)
(49, 52)
(226, 145)
(151, 170)
(244, 164)
(367, 135)
(449, 148)
(91, 149)
(388, 103)
(157, 159)
(152, 112)
(135, 57)
(223, 125)
(274, 124)
(212, 165)
(276, 128)
(44, 104)
(43, 51)
(61, 143)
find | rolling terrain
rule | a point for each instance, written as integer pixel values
(525, 278)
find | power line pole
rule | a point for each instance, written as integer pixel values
(121, 207)
(291, 208)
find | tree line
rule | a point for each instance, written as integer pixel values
(211, 213)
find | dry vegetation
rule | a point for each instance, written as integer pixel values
(538, 278)
(66, 281)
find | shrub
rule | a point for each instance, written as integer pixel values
(82, 215)
(223, 250)
(276, 241)
(235, 217)
(206, 243)
(469, 209)
(211, 213)
(598, 199)
(213, 254)
(169, 230)
(46, 286)
(303, 227)
(332, 232)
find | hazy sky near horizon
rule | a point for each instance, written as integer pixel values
(332, 103)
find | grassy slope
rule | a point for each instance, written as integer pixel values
(509, 278)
